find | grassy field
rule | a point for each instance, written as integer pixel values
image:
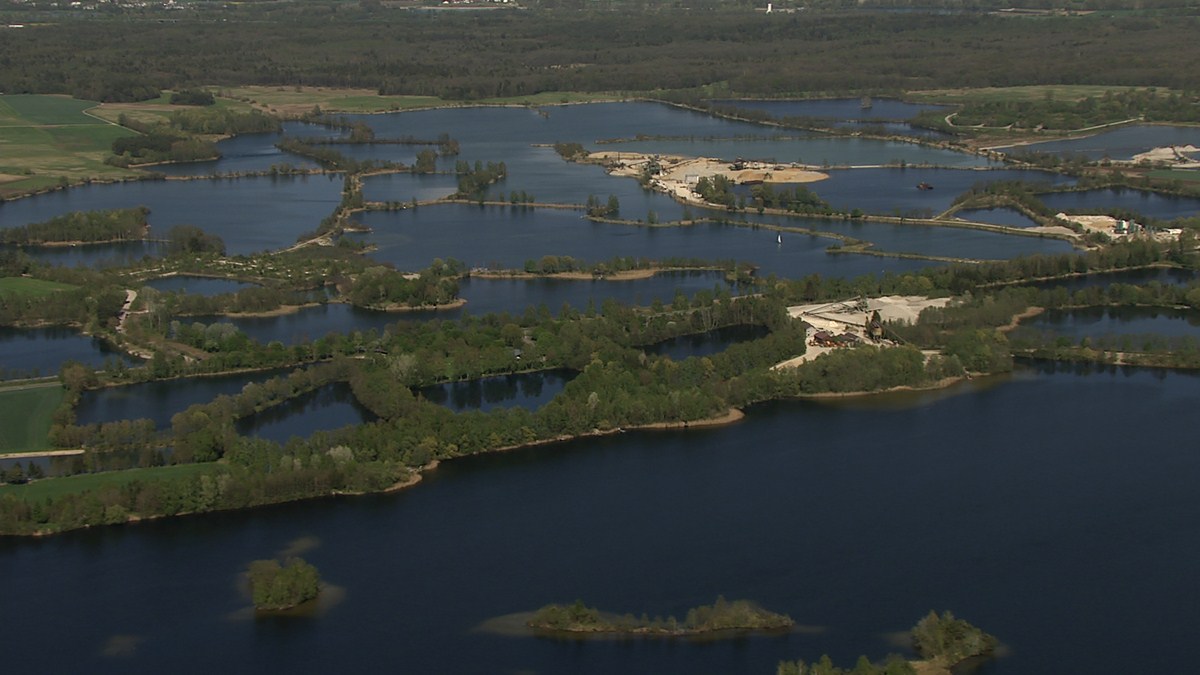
(25, 416)
(49, 140)
(1191, 176)
(1057, 92)
(299, 100)
(56, 487)
(22, 287)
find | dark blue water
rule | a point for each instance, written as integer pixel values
(996, 216)
(506, 238)
(249, 214)
(706, 344)
(330, 407)
(484, 296)
(475, 129)
(525, 390)
(251, 152)
(31, 352)
(404, 187)
(98, 255)
(160, 400)
(895, 192)
(882, 109)
(1122, 143)
(1149, 204)
(1170, 276)
(182, 283)
(1104, 321)
(856, 517)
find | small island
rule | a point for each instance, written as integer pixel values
(943, 641)
(276, 587)
(722, 615)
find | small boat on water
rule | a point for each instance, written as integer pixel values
(924, 186)
(865, 103)
(779, 239)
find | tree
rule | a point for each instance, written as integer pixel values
(274, 586)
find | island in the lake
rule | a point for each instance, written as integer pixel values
(277, 587)
(722, 615)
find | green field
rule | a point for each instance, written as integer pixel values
(22, 287)
(35, 109)
(57, 487)
(48, 140)
(25, 416)
(1057, 92)
(295, 101)
(1191, 176)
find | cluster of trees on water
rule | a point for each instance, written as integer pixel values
(274, 586)
(797, 199)
(943, 640)
(179, 139)
(81, 226)
(161, 144)
(722, 615)
(461, 55)
(333, 159)
(473, 181)
(382, 287)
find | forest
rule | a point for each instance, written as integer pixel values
(515, 54)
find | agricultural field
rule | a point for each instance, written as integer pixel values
(1053, 92)
(52, 140)
(289, 101)
(1189, 176)
(25, 416)
(56, 487)
(22, 287)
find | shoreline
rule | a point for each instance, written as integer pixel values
(623, 275)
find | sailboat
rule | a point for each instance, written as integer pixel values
(779, 239)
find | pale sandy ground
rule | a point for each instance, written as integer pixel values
(846, 317)
(1181, 156)
(679, 174)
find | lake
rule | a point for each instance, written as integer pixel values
(706, 344)
(1148, 204)
(1122, 143)
(1098, 322)
(1053, 527)
(249, 214)
(330, 407)
(33, 352)
(502, 237)
(161, 400)
(525, 390)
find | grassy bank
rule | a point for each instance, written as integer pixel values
(54, 488)
(25, 416)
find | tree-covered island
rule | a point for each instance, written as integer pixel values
(276, 587)
(723, 615)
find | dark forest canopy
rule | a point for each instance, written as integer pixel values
(473, 55)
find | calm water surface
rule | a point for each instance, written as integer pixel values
(330, 407)
(249, 214)
(160, 400)
(1055, 533)
(1149, 204)
(30, 352)
(706, 344)
(1103, 321)
(525, 390)
(1168, 275)
(1123, 143)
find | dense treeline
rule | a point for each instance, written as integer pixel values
(332, 159)
(471, 55)
(1089, 111)
(384, 288)
(82, 227)
(473, 181)
(161, 144)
